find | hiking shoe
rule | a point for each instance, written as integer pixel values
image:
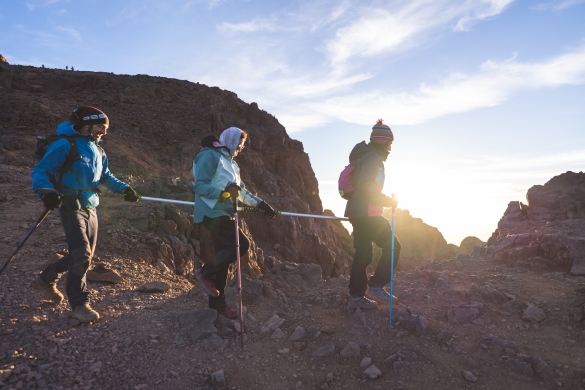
(85, 313)
(207, 284)
(363, 302)
(380, 295)
(49, 290)
(228, 312)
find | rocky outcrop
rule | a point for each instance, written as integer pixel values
(549, 232)
(421, 243)
(468, 243)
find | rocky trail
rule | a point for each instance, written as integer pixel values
(508, 315)
(468, 322)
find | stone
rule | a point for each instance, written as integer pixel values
(277, 334)
(326, 329)
(99, 273)
(218, 379)
(463, 314)
(199, 324)
(351, 350)
(95, 367)
(273, 322)
(213, 343)
(371, 372)
(366, 362)
(154, 287)
(298, 334)
(326, 350)
(469, 377)
(533, 314)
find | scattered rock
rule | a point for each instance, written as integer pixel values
(213, 343)
(100, 273)
(199, 324)
(469, 377)
(464, 314)
(298, 334)
(154, 287)
(366, 362)
(273, 322)
(533, 314)
(278, 334)
(351, 350)
(218, 379)
(326, 350)
(371, 372)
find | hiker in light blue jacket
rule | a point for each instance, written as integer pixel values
(217, 182)
(67, 178)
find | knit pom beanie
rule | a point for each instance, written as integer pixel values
(381, 133)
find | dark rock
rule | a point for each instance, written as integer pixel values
(99, 273)
(326, 350)
(199, 324)
(154, 287)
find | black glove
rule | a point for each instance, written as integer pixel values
(234, 190)
(52, 200)
(130, 195)
(268, 210)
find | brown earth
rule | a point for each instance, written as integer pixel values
(458, 323)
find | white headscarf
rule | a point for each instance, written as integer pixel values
(230, 138)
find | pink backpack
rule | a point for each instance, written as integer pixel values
(345, 182)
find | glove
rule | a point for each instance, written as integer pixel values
(269, 212)
(52, 200)
(234, 190)
(231, 191)
(130, 195)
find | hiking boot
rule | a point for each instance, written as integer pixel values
(380, 295)
(207, 284)
(228, 312)
(363, 302)
(85, 313)
(49, 290)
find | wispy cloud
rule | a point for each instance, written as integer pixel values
(257, 25)
(491, 85)
(384, 30)
(71, 32)
(557, 5)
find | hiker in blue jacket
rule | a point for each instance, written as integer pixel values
(364, 210)
(217, 181)
(75, 193)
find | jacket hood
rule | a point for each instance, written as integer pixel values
(66, 128)
(360, 150)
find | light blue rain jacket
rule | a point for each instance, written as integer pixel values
(87, 173)
(214, 170)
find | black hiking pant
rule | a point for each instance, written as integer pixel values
(81, 228)
(223, 235)
(368, 230)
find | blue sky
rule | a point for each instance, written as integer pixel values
(485, 97)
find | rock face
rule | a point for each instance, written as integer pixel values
(468, 243)
(420, 242)
(549, 232)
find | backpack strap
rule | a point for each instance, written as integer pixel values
(69, 159)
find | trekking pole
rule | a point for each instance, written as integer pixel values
(239, 269)
(247, 209)
(21, 244)
(392, 270)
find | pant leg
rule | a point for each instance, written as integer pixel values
(81, 233)
(52, 273)
(222, 232)
(362, 242)
(383, 239)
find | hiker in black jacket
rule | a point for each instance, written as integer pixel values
(364, 210)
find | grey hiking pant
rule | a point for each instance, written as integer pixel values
(81, 228)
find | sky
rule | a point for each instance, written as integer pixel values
(485, 97)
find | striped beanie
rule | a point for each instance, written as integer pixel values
(381, 133)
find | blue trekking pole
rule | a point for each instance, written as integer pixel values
(392, 270)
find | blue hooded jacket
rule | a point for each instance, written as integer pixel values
(214, 169)
(89, 170)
